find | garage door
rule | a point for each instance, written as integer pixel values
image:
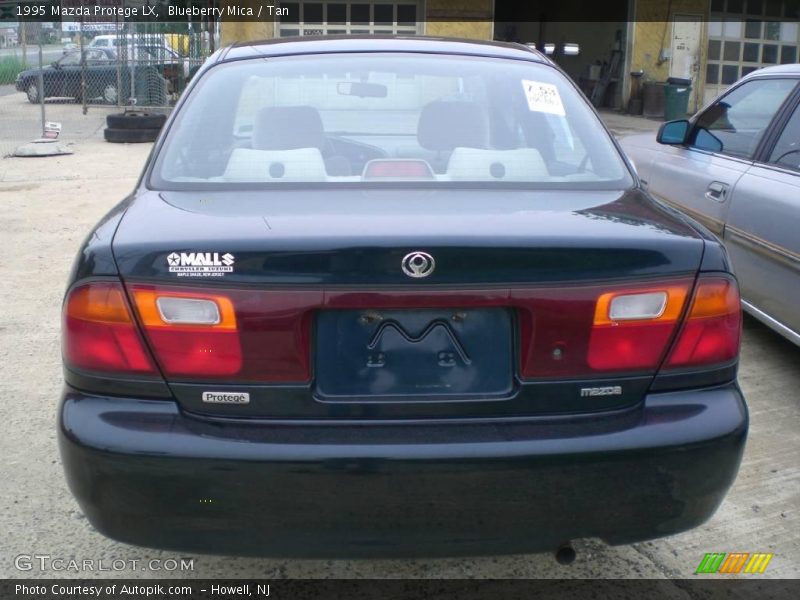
(744, 35)
(330, 18)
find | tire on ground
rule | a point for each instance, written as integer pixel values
(130, 136)
(136, 120)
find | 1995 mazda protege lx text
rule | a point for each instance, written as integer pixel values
(396, 297)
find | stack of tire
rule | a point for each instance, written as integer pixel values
(133, 127)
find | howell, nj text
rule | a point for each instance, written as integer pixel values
(246, 590)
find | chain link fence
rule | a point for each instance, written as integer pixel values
(138, 64)
(19, 123)
(106, 68)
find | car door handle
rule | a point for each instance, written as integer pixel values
(717, 191)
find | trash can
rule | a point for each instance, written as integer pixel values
(676, 98)
(653, 100)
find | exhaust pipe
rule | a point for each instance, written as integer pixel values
(565, 555)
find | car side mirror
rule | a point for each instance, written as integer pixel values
(673, 132)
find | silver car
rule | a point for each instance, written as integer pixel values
(735, 167)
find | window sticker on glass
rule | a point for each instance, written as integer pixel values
(543, 97)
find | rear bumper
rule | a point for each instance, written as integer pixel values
(147, 474)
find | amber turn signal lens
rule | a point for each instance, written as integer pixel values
(715, 298)
(98, 302)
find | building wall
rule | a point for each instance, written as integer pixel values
(446, 18)
(652, 32)
(476, 30)
(241, 31)
(460, 18)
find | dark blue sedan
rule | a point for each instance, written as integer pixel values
(396, 297)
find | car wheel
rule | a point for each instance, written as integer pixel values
(33, 92)
(110, 93)
(130, 136)
(136, 120)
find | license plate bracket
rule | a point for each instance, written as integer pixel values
(419, 354)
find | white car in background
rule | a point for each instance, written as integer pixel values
(148, 49)
(131, 40)
(146, 53)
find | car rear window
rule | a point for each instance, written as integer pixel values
(385, 118)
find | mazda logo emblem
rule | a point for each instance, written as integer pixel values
(418, 264)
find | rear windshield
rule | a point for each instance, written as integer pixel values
(360, 119)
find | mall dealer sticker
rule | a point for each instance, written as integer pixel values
(200, 264)
(543, 97)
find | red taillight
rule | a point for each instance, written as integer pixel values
(190, 340)
(99, 334)
(638, 340)
(241, 335)
(250, 335)
(588, 331)
(712, 329)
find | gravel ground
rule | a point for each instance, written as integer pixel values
(47, 205)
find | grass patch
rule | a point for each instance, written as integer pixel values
(10, 66)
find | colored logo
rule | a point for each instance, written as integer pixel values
(734, 563)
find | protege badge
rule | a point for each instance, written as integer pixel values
(226, 397)
(613, 390)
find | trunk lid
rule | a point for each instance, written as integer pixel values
(330, 325)
(356, 237)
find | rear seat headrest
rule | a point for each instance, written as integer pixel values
(288, 128)
(447, 124)
(250, 165)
